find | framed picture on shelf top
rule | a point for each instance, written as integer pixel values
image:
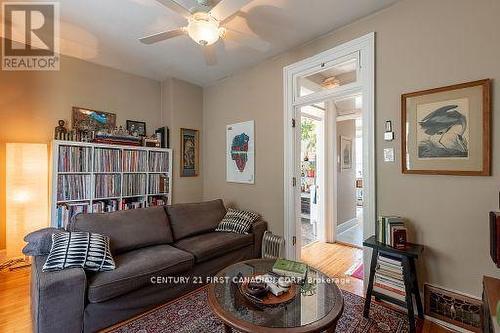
(91, 120)
(240, 156)
(345, 153)
(447, 130)
(190, 150)
(138, 127)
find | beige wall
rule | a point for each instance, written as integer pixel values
(182, 107)
(419, 44)
(346, 178)
(32, 102)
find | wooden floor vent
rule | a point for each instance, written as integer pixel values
(454, 308)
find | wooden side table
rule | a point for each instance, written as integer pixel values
(408, 255)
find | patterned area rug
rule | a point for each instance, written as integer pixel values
(191, 314)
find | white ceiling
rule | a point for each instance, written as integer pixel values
(106, 32)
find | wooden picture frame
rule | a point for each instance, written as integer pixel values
(447, 130)
(88, 120)
(138, 126)
(190, 151)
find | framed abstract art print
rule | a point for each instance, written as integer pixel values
(240, 156)
(447, 131)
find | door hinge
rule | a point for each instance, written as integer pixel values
(294, 240)
(294, 181)
(293, 122)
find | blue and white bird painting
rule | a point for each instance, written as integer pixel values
(443, 129)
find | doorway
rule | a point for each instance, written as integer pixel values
(313, 174)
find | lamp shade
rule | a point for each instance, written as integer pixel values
(26, 192)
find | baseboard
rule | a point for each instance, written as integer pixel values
(346, 225)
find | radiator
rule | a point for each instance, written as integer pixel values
(272, 246)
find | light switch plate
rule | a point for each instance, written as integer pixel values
(388, 154)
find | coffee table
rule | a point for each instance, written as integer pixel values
(316, 308)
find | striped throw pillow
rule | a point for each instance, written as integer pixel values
(237, 221)
(79, 249)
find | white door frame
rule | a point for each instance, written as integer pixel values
(365, 49)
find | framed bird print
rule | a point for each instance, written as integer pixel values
(446, 131)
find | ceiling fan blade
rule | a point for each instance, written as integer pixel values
(163, 36)
(173, 5)
(209, 54)
(253, 42)
(227, 8)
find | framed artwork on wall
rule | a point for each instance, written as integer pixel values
(240, 153)
(88, 120)
(446, 131)
(345, 153)
(190, 150)
(138, 127)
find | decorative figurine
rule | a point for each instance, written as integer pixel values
(60, 132)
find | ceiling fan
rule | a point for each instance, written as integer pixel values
(206, 26)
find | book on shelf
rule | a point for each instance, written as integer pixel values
(134, 184)
(105, 206)
(157, 201)
(107, 160)
(158, 183)
(388, 226)
(73, 187)
(135, 160)
(132, 204)
(290, 268)
(74, 159)
(158, 161)
(107, 186)
(66, 211)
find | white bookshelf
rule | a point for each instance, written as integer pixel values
(91, 175)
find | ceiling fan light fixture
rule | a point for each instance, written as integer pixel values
(203, 29)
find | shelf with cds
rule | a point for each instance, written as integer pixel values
(100, 178)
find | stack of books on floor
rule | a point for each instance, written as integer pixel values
(389, 229)
(389, 278)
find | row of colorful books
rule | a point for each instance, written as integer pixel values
(74, 159)
(107, 186)
(135, 161)
(107, 160)
(158, 161)
(66, 211)
(105, 206)
(389, 277)
(391, 230)
(73, 187)
(134, 184)
(158, 183)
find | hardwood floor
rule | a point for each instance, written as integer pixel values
(14, 301)
(337, 259)
(333, 259)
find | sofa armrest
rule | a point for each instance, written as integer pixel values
(258, 230)
(57, 298)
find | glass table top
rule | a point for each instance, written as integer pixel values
(315, 298)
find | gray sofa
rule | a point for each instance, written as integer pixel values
(177, 240)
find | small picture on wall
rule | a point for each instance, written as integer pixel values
(447, 130)
(91, 120)
(189, 152)
(136, 127)
(345, 153)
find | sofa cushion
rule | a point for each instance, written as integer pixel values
(195, 218)
(127, 229)
(213, 244)
(134, 270)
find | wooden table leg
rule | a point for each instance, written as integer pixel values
(369, 290)
(227, 329)
(408, 289)
(416, 290)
